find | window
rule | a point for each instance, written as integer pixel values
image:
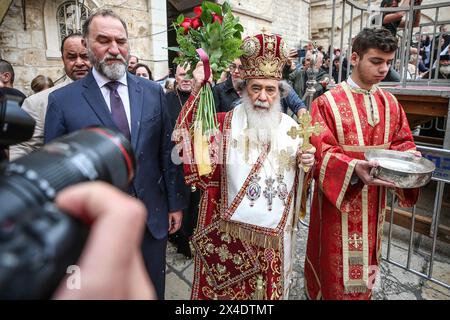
(70, 17)
(61, 18)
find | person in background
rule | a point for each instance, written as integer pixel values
(142, 70)
(169, 85)
(132, 63)
(175, 101)
(76, 66)
(394, 20)
(443, 69)
(7, 77)
(299, 77)
(40, 83)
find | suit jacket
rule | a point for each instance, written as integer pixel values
(36, 106)
(158, 182)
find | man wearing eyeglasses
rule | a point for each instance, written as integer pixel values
(227, 92)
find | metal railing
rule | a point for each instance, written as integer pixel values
(372, 15)
(441, 158)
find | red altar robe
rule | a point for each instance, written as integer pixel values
(268, 282)
(346, 224)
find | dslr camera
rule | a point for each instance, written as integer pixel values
(38, 242)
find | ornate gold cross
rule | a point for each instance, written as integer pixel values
(305, 131)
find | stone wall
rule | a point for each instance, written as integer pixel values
(289, 18)
(29, 50)
(36, 50)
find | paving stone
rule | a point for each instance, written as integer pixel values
(188, 273)
(176, 260)
(176, 288)
(434, 291)
(392, 283)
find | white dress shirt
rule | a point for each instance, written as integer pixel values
(122, 89)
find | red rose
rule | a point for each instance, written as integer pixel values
(198, 11)
(216, 17)
(186, 24)
(196, 23)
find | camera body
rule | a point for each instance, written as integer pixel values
(38, 242)
(15, 124)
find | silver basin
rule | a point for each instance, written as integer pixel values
(404, 169)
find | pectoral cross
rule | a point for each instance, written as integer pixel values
(355, 240)
(305, 131)
(270, 192)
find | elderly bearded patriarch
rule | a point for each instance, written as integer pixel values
(244, 235)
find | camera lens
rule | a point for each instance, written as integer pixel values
(37, 241)
(85, 155)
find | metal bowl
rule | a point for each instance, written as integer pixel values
(404, 169)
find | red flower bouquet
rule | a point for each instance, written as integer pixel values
(217, 32)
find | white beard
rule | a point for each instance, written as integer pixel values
(445, 70)
(262, 124)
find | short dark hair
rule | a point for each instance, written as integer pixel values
(386, 3)
(137, 58)
(374, 38)
(73, 35)
(141, 65)
(5, 66)
(103, 13)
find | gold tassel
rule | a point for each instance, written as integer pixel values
(260, 292)
(252, 237)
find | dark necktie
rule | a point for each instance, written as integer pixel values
(117, 109)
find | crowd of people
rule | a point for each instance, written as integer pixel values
(241, 217)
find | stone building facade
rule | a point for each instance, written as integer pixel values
(30, 35)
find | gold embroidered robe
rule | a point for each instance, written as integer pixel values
(270, 248)
(346, 225)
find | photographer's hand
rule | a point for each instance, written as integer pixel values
(111, 263)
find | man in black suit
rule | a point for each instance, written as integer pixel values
(112, 97)
(175, 101)
(7, 76)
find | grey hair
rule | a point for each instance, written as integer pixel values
(103, 13)
(283, 87)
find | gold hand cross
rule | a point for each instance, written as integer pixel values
(305, 131)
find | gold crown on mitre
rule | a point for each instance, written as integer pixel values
(264, 56)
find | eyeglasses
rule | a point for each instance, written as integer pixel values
(233, 67)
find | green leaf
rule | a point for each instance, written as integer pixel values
(226, 7)
(206, 17)
(180, 19)
(177, 49)
(213, 7)
(239, 27)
